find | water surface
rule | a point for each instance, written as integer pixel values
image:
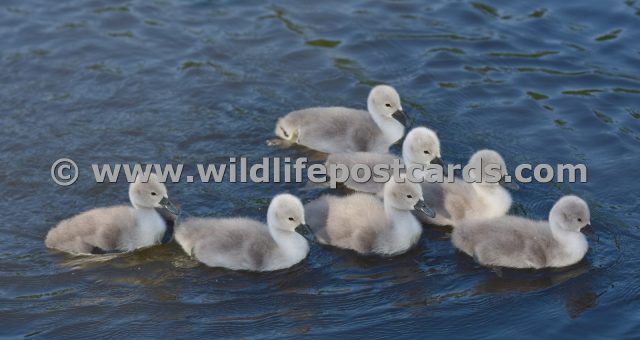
(198, 81)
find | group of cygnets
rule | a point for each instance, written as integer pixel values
(383, 219)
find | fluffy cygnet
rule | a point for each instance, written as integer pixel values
(149, 221)
(246, 244)
(363, 223)
(341, 129)
(517, 242)
(485, 197)
(420, 149)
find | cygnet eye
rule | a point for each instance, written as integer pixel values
(153, 193)
(290, 218)
(579, 220)
(409, 196)
(387, 105)
(426, 152)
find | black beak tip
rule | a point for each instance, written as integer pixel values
(303, 229)
(423, 208)
(587, 230)
(167, 204)
(401, 117)
(509, 185)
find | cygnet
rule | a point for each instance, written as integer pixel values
(364, 223)
(485, 197)
(341, 129)
(420, 154)
(246, 244)
(517, 242)
(149, 221)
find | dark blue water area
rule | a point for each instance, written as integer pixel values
(172, 81)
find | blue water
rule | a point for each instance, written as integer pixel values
(173, 81)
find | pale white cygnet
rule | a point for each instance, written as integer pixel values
(421, 149)
(246, 244)
(341, 129)
(148, 222)
(485, 197)
(420, 154)
(364, 223)
(517, 242)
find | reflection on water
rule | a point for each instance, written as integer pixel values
(201, 81)
(576, 302)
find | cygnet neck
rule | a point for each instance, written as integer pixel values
(274, 226)
(136, 206)
(489, 189)
(392, 130)
(573, 245)
(395, 216)
(288, 241)
(560, 233)
(422, 172)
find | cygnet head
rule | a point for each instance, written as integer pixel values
(384, 105)
(487, 168)
(570, 213)
(421, 146)
(150, 194)
(404, 195)
(286, 214)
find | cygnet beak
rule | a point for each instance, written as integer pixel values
(509, 185)
(438, 161)
(400, 116)
(303, 229)
(165, 203)
(423, 208)
(587, 229)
